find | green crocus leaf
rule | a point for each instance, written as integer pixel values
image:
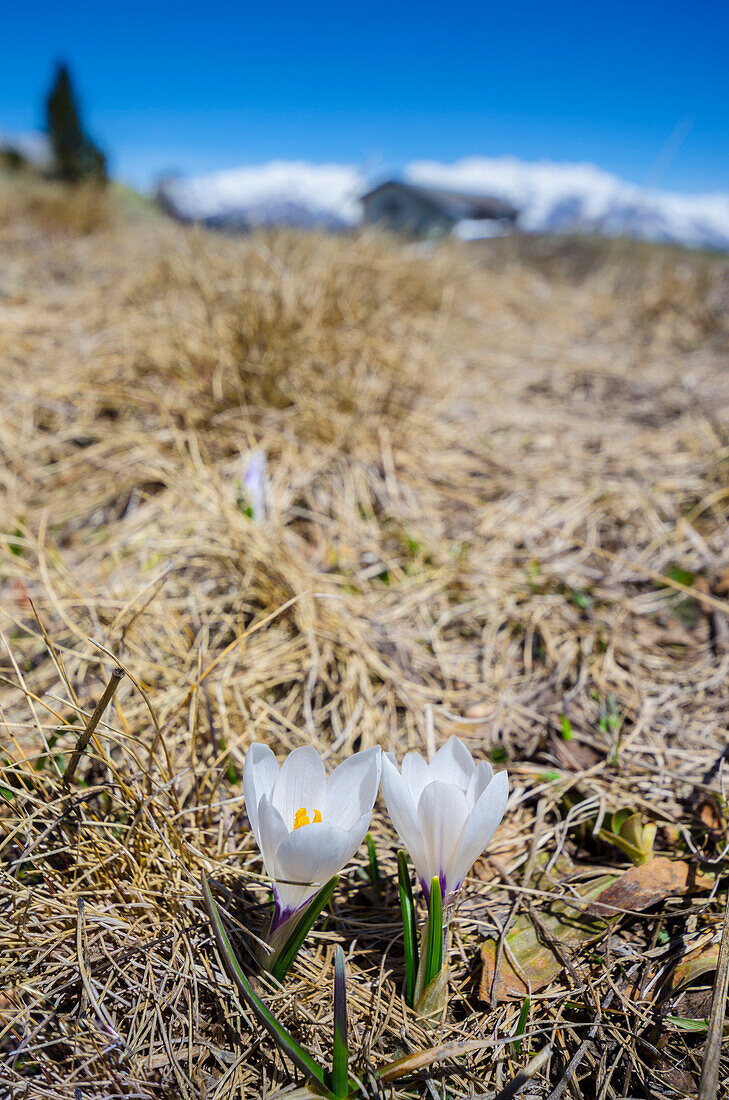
(286, 1042)
(407, 907)
(434, 956)
(340, 1063)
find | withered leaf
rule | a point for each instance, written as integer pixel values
(536, 961)
(694, 965)
(640, 887)
(573, 755)
(529, 964)
(710, 815)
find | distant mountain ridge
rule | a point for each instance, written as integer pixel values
(551, 198)
(559, 198)
(278, 193)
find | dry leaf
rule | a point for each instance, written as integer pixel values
(710, 815)
(529, 964)
(650, 882)
(573, 754)
(694, 966)
(537, 963)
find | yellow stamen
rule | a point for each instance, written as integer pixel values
(302, 818)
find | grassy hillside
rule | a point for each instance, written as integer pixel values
(499, 482)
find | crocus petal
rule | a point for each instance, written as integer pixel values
(482, 824)
(480, 780)
(309, 856)
(356, 833)
(301, 782)
(401, 809)
(442, 812)
(416, 773)
(352, 789)
(259, 776)
(273, 832)
(452, 763)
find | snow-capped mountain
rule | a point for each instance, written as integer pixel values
(550, 197)
(279, 193)
(559, 198)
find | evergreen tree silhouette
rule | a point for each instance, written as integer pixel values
(75, 155)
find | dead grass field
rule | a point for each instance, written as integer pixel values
(501, 481)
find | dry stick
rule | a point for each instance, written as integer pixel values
(709, 1085)
(580, 1052)
(116, 678)
(158, 730)
(525, 1075)
(123, 668)
(660, 578)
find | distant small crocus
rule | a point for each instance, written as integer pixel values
(256, 486)
(445, 812)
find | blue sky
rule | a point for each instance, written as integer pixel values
(639, 88)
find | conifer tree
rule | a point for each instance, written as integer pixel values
(75, 155)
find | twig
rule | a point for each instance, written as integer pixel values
(115, 679)
(524, 1075)
(709, 1085)
(581, 1051)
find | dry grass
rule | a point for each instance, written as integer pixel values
(55, 208)
(491, 478)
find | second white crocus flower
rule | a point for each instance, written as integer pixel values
(445, 812)
(307, 826)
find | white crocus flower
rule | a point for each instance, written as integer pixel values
(306, 825)
(445, 812)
